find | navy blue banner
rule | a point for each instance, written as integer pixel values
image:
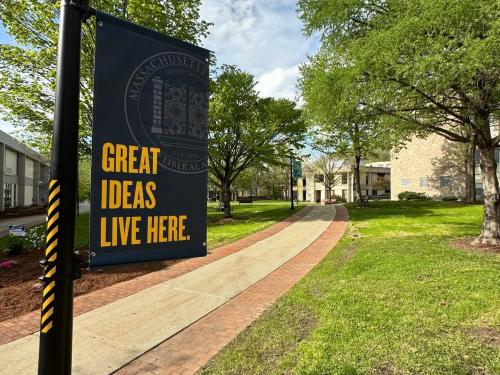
(149, 146)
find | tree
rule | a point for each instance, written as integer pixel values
(28, 68)
(245, 130)
(84, 166)
(334, 108)
(329, 165)
(426, 65)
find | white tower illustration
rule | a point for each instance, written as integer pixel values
(157, 127)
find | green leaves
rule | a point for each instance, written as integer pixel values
(246, 130)
(423, 65)
(27, 70)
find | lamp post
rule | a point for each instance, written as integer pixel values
(291, 183)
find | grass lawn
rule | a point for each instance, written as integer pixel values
(393, 297)
(248, 218)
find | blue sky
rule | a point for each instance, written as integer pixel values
(5, 38)
(262, 37)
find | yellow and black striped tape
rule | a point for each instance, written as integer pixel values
(48, 295)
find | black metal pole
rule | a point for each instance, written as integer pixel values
(291, 184)
(56, 325)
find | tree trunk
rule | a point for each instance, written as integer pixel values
(470, 174)
(226, 199)
(490, 232)
(357, 179)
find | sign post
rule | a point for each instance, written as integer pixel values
(56, 323)
(149, 161)
(291, 184)
(297, 173)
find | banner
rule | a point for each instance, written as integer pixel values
(297, 169)
(149, 146)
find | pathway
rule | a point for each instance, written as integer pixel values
(115, 334)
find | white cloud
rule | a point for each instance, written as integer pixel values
(279, 82)
(263, 37)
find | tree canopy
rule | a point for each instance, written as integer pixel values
(245, 130)
(28, 68)
(423, 66)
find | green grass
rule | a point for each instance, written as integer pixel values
(393, 297)
(247, 219)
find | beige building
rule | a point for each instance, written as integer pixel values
(375, 182)
(434, 166)
(24, 175)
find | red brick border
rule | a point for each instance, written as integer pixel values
(187, 351)
(26, 324)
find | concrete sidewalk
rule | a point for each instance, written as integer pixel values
(31, 221)
(110, 336)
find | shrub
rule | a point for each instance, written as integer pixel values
(412, 196)
(449, 198)
(35, 237)
(15, 244)
(338, 198)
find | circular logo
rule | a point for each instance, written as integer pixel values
(166, 104)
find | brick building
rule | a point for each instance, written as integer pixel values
(433, 165)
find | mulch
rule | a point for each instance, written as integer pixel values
(20, 289)
(466, 244)
(20, 212)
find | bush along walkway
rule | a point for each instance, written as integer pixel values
(130, 326)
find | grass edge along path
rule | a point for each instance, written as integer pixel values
(393, 297)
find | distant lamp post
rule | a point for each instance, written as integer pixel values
(290, 150)
(291, 183)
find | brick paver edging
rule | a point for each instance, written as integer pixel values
(26, 324)
(187, 351)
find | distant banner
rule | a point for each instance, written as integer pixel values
(149, 146)
(297, 169)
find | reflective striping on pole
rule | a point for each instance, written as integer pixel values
(50, 256)
(54, 193)
(47, 314)
(53, 207)
(47, 327)
(48, 288)
(53, 219)
(51, 247)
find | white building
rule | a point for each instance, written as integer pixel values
(375, 183)
(24, 174)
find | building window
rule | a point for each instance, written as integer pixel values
(367, 179)
(10, 163)
(424, 182)
(374, 192)
(304, 182)
(445, 181)
(344, 177)
(405, 181)
(319, 178)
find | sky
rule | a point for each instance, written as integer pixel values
(262, 37)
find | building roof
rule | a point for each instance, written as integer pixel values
(14, 144)
(379, 164)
